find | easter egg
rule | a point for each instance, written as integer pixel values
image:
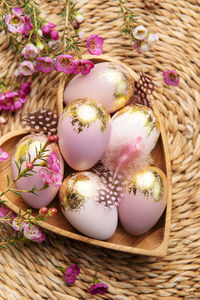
(108, 83)
(84, 132)
(143, 200)
(81, 203)
(135, 121)
(135, 131)
(47, 170)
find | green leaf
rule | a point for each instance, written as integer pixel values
(16, 192)
(8, 180)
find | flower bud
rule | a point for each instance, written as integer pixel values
(29, 165)
(52, 211)
(43, 211)
(39, 46)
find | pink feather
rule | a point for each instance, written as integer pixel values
(128, 153)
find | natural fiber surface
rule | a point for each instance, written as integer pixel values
(29, 272)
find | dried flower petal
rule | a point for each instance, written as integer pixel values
(95, 44)
(171, 77)
(44, 64)
(71, 273)
(98, 288)
(3, 155)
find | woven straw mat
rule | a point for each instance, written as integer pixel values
(29, 271)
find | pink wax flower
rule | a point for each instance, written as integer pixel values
(3, 155)
(65, 63)
(29, 51)
(15, 21)
(50, 178)
(98, 288)
(26, 68)
(46, 28)
(34, 233)
(4, 212)
(171, 77)
(16, 226)
(18, 22)
(71, 273)
(95, 44)
(54, 35)
(83, 66)
(44, 64)
(140, 32)
(53, 162)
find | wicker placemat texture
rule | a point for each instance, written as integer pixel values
(29, 272)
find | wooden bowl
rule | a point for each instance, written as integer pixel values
(154, 242)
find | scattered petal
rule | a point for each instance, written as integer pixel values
(71, 273)
(171, 77)
(98, 288)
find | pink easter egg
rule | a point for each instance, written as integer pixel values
(143, 201)
(108, 83)
(80, 203)
(25, 149)
(84, 131)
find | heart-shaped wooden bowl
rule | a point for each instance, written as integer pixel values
(154, 242)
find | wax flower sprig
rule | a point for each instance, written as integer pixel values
(25, 226)
(24, 223)
(140, 36)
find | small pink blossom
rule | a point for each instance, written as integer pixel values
(16, 226)
(95, 44)
(53, 162)
(4, 212)
(50, 178)
(54, 35)
(15, 23)
(18, 22)
(98, 288)
(44, 64)
(29, 51)
(34, 233)
(46, 28)
(26, 68)
(65, 63)
(71, 273)
(171, 77)
(3, 155)
(140, 32)
(83, 66)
